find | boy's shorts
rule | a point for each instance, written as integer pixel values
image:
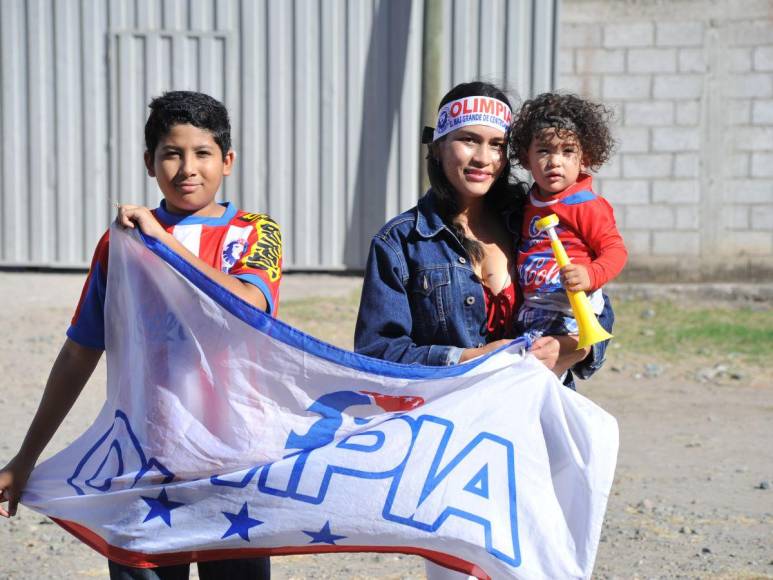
(536, 322)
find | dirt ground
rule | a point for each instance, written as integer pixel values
(693, 494)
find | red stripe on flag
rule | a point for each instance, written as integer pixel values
(140, 560)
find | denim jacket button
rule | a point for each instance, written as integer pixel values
(470, 300)
(481, 345)
(462, 260)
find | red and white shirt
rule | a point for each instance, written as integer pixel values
(589, 234)
(245, 245)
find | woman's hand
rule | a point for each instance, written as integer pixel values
(471, 353)
(129, 215)
(558, 353)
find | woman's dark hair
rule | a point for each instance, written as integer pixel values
(187, 108)
(502, 194)
(566, 113)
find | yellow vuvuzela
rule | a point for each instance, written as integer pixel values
(591, 331)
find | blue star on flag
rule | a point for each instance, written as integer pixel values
(324, 536)
(161, 507)
(240, 523)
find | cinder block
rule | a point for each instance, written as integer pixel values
(651, 217)
(647, 165)
(676, 243)
(762, 165)
(752, 243)
(740, 165)
(687, 217)
(692, 60)
(678, 87)
(763, 58)
(750, 85)
(686, 165)
(676, 191)
(632, 139)
(580, 35)
(649, 113)
(758, 191)
(684, 33)
(632, 34)
(637, 242)
(566, 61)
(584, 85)
(621, 192)
(753, 138)
(626, 87)
(611, 169)
(762, 112)
(688, 112)
(676, 139)
(739, 111)
(734, 217)
(747, 33)
(739, 60)
(599, 60)
(651, 60)
(762, 217)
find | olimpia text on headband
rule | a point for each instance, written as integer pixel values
(476, 110)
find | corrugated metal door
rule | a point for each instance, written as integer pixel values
(324, 97)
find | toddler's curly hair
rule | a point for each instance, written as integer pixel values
(587, 120)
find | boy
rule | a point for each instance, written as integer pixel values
(188, 141)
(558, 138)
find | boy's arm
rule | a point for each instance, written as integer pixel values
(129, 215)
(69, 374)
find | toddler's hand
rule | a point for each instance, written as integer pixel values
(574, 278)
(129, 215)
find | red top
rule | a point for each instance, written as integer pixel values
(587, 229)
(500, 312)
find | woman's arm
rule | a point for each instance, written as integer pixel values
(384, 321)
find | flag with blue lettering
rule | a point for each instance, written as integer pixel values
(227, 433)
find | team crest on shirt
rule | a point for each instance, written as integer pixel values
(232, 251)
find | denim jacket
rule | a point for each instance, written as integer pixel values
(421, 301)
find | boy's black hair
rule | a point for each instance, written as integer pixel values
(187, 108)
(587, 120)
(502, 194)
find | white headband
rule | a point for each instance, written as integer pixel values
(472, 111)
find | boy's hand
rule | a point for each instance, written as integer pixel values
(129, 215)
(574, 278)
(13, 478)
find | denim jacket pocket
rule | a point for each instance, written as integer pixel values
(430, 300)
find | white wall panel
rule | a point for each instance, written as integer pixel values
(324, 97)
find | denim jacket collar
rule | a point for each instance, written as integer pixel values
(428, 220)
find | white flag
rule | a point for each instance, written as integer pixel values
(227, 433)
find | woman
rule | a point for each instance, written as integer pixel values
(439, 282)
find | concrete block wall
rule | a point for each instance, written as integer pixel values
(691, 86)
